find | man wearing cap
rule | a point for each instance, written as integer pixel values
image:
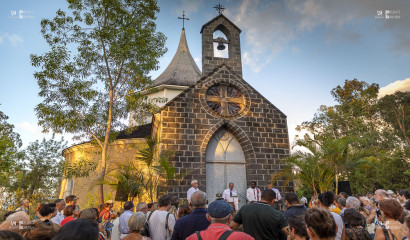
(253, 194)
(260, 220)
(194, 188)
(231, 196)
(219, 214)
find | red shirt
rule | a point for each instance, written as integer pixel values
(214, 231)
(66, 220)
(105, 213)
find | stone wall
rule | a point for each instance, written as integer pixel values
(232, 32)
(118, 151)
(187, 124)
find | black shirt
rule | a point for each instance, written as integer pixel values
(261, 221)
(295, 211)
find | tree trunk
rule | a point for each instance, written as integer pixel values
(337, 183)
(104, 151)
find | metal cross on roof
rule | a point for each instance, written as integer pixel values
(219, 8)
(183, 19)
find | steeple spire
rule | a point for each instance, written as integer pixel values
(182, 70)
(183, 19)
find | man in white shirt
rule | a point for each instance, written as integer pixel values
(231, 196)
(278, 199)
(253, 194)
(161, 222)
(60, 205)
(194, 188)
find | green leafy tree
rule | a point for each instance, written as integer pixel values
(128, 177)
(100, 54)
(395, 110)
(9, 148)
(307, 167)
(159, 171)
(39, 172)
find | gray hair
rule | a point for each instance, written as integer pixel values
(220, 220)
(342, 202)
(194, 181)
(381, 192)
(136, 222)
(198, 199)
(230, 183)
(140, 206)
(353, 202)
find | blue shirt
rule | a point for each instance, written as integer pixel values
(124, 222)
(189, 224)
(295, 211)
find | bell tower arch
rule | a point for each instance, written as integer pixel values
(210, 60)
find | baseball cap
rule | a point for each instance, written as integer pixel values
(219, 209)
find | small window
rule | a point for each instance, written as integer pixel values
(218, 35)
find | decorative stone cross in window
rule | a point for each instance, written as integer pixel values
(225, 99)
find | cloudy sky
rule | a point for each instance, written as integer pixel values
(293, 51)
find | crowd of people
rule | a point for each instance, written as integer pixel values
(379, 215)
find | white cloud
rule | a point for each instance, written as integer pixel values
(12, 39)
(271, 26)
(189, 6)
(399, 85)
(30, 132)
(295, 50)
(198, 62)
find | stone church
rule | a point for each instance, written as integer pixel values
(221, 128)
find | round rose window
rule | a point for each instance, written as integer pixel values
(226, 100)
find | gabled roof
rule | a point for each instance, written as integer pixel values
(203, 78)
(220, 16)
(182, 70)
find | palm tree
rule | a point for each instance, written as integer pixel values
(127, 177)
(307, 167)
(159, 171)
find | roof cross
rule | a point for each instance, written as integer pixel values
(219, 8)
(183, 19)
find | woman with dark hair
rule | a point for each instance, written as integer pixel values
(320, 224)
(391, 210)
(355, 220)
(297, 227)
(47, 211)
(183, 211)
(325, 200)
(78, 230)
(71, 213)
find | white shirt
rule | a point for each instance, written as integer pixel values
(227, 195)
(340, 224)
(190, 192)
(253, 194)
(58, 218)
(157, 225)
(278, 196)
(115, 234)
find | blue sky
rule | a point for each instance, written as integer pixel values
(293, 51)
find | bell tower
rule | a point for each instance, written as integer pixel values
(219, 35)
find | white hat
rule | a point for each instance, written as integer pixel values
(109, 201)
(390, 192)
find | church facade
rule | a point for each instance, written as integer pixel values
(221, 128)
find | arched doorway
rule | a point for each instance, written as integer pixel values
(225, 163)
